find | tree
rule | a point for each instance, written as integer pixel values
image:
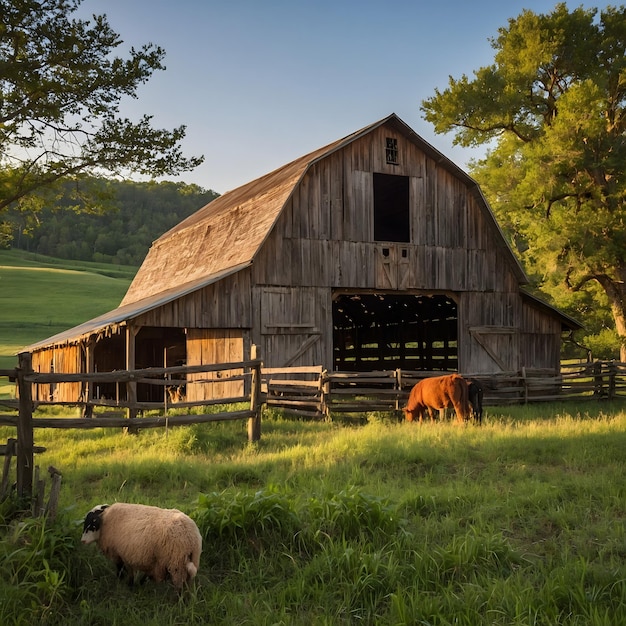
(60, 91)
(551, 112)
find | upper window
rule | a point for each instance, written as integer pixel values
(391, 208)
(391, 150)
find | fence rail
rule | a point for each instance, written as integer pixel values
(302, 391)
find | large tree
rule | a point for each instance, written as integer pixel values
(551, 112)
(61, 86)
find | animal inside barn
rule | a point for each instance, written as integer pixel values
(374, 252)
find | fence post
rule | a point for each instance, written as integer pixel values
(612, 371)
(24, 456)
(597, 379)
(254, 423)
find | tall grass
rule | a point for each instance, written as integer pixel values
(518, 522)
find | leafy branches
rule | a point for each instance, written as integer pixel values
(60, 90)
(552, 111)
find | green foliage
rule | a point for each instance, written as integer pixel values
(61, 85)
(36, 566)
(551, 110)
(517, 522)
(130, 216)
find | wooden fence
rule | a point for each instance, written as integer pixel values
(25, 423)
(309, 392)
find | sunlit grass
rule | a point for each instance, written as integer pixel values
(520, 521)
(42, 296)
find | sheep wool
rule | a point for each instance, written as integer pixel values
(141, 538)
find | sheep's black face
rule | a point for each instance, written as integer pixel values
(92, 524)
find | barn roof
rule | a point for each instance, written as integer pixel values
(231, 229)
(224, 236)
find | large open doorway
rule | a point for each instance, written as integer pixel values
(381, 331)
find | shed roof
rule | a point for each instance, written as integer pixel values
(108, 323)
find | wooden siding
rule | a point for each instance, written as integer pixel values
(58, 359)
(214, 346)
(292, 325)
(221, 305)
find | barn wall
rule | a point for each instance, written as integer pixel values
(58, 359)
(291, 325)
(221, 305)
(206, 346)
(540, 339)
(324, 239)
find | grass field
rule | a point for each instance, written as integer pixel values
(42, 296)
(520, 522)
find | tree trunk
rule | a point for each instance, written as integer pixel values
(616, 292)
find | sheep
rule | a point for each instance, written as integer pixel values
(137, 537)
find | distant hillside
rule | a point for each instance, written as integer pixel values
(131, 216)
(42, 296)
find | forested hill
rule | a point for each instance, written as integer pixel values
(132, 216)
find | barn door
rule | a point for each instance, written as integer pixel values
(289, 325)
(393, 267)
(500, 343)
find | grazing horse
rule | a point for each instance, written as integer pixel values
(439, 392)
(475, 390)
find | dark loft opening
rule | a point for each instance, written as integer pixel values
(391, 208)
(388, 331)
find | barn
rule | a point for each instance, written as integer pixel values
(373, 252)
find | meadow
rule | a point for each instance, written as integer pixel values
(518, 522)
(42, 296)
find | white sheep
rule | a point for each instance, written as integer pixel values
(141, 538)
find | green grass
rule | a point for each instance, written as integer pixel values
(42, 296)
(519, 522)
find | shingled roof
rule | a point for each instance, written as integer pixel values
(231, 229)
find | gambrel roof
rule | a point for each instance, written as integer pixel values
(223, 238)
(231, 229)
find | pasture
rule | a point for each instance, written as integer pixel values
(517, 522)
(42, 296)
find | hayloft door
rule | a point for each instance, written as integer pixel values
(393, 267)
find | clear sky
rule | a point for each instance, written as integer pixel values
(259, 83)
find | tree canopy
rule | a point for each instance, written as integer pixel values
(60, 91)
(136, 214)
(551, 112)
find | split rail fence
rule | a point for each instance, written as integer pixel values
(309, 392)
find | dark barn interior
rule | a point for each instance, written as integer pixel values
(380, 331)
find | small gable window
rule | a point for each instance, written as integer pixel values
(391, 150)
(391, 208)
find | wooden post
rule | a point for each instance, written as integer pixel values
(254, 423)
(597, 380)
(55, 490)
(131, 386)
(88, 386)
(612, 371)
(10, 452)
(25, 453)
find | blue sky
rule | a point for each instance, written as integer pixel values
(261, 82)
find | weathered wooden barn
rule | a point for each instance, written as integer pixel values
(373, 252)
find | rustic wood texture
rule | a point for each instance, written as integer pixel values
(263, 264)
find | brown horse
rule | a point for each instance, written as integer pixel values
(439, 392)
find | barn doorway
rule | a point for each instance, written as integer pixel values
(381, 331)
